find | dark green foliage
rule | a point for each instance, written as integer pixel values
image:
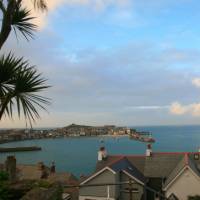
(4, 191)
(19, 86)
(20, 83)
(194, 197)
(42, 184)
(4, 188)
(22, 22)
(3, 176)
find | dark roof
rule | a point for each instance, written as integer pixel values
(159, 165)
(186, 161)
(137, 161)
(180, 166)
(125, 165)
(195, 166)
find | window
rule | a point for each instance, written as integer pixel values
(196, 156)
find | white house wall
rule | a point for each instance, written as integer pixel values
(187, 184)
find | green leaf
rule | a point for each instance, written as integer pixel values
(20, 87)
(22, 22)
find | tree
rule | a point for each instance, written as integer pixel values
(20, 83)
(17, 18)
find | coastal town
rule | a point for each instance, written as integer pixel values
(72, 130)
(99, 100)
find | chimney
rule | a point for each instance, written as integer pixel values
(149, 150)
(10, 165)
(102, 154)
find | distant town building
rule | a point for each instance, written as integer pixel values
(72, 130)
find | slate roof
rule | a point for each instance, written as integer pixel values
(180, 166)
(137, 160)
(125, 165)
(194, 166)
(159, 165)
(186, 161)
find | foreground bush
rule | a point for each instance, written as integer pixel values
(197, 197)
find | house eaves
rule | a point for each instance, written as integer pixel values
(132, 177)
(97, 173)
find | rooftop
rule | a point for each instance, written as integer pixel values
(164, 165)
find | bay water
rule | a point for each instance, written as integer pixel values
(79, 155)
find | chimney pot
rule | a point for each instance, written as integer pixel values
(149, 150)
(102, 154)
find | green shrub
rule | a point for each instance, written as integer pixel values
(4, 191)
(3, 176)
(197, 197)
(42, 184)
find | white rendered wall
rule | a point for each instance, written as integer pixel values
(187, 184)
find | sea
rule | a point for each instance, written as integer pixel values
(79, 154)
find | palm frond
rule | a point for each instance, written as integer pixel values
(22, 22)
(40, 4)
(9, 65)
(21, 88)
(28, 83)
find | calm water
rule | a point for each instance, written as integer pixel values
(78, 155)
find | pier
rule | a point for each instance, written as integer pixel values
(19, 149)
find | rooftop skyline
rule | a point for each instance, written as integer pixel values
(123, 62)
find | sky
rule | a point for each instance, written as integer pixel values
(122, 62)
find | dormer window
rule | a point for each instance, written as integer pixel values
(196, 156)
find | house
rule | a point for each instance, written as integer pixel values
(156, 175)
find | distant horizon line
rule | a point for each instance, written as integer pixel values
(53, 127)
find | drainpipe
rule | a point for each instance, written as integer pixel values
(108, 192)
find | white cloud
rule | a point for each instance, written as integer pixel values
(147, 107)
(195, 109)
(196, 82)
(96, 5)
(178, 109)
(131, 82)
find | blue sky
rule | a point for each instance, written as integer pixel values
(123, 62)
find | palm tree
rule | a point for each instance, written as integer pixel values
(20, 83)
(16, 17)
